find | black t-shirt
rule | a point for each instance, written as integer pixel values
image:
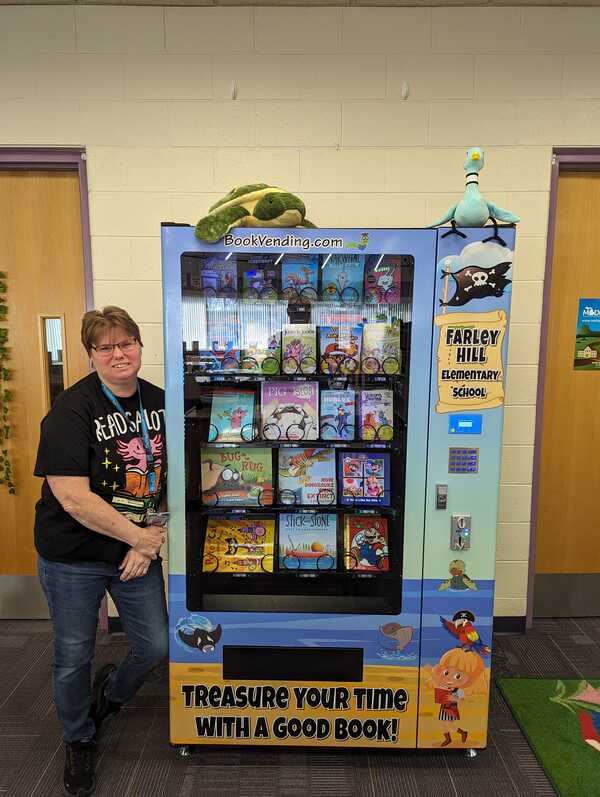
(85, 435)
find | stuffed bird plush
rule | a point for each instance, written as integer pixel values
(473, 210)
(256, 205)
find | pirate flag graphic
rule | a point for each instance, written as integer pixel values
(476, 282)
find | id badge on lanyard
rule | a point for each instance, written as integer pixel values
(144, 433)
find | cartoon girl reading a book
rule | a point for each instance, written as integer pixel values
(458, 674)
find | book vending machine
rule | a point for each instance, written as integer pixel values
(334, 403)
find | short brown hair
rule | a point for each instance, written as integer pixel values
(96, 322)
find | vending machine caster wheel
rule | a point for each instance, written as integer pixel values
(184, 750)
(471, 753)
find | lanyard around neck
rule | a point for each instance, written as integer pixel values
(144, 431)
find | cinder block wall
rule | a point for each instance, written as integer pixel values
(147, 90)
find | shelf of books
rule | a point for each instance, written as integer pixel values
(296, 372)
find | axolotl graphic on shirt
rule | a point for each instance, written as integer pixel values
(127, 459)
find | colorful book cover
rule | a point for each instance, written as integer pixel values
(381, 348)
(339, 347)
(239, 546)
(299, 277)
(364, 478)
(343, 278)
(237, 476)
(337, 418)
(260, 277)
(290, 410)
(366, 543)
(307, 476)
(383, 274)
(219, 276)
(307, 541)
(299, 349)
(376, 414)
(262, 357)
(231, 416)
(223, 333)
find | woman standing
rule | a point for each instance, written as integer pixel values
(102, 454)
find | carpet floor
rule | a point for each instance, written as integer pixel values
(135, 758)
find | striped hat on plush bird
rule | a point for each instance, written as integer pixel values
(473, 210)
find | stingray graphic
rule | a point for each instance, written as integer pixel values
(203, 640)
(476, 282)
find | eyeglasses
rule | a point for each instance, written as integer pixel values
(106, 349)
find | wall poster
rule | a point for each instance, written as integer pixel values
(587, 336)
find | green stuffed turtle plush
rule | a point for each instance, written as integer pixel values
(257, 205)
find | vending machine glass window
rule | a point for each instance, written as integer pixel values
(296, 374)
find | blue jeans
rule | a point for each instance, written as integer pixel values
(74, 593)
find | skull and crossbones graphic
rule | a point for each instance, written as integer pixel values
(479, 278)
(477, 282)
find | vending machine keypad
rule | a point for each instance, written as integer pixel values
(463, 460)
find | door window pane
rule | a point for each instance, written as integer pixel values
(53, 343)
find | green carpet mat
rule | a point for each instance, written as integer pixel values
(561, 720)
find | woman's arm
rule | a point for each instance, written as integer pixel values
(74, 495)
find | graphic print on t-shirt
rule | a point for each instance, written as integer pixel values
(132, 496)
(124, 469)
(136, 471)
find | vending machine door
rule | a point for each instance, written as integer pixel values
(298, 367)
(470, 345)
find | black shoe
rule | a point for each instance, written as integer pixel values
(102, 707)
(79, 777)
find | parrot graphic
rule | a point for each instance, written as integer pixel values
(461, 626)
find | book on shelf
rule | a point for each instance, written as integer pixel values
(299, 349)
(299, 277)
(364, 478)
(307, 476)
(260, 277)
(307, 541)
(232, 416)
(222, 333)
(339, 347)
(383, 279)
(218, 276)
(263, 357)
(237, 476)
(366, 543)
(289, 410)
(260, 336)
(239, 546)
(337, 418)
(376, 414)
(381, 348)
(343, 278)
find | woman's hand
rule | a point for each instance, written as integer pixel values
(150, 541)
(134, 565)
